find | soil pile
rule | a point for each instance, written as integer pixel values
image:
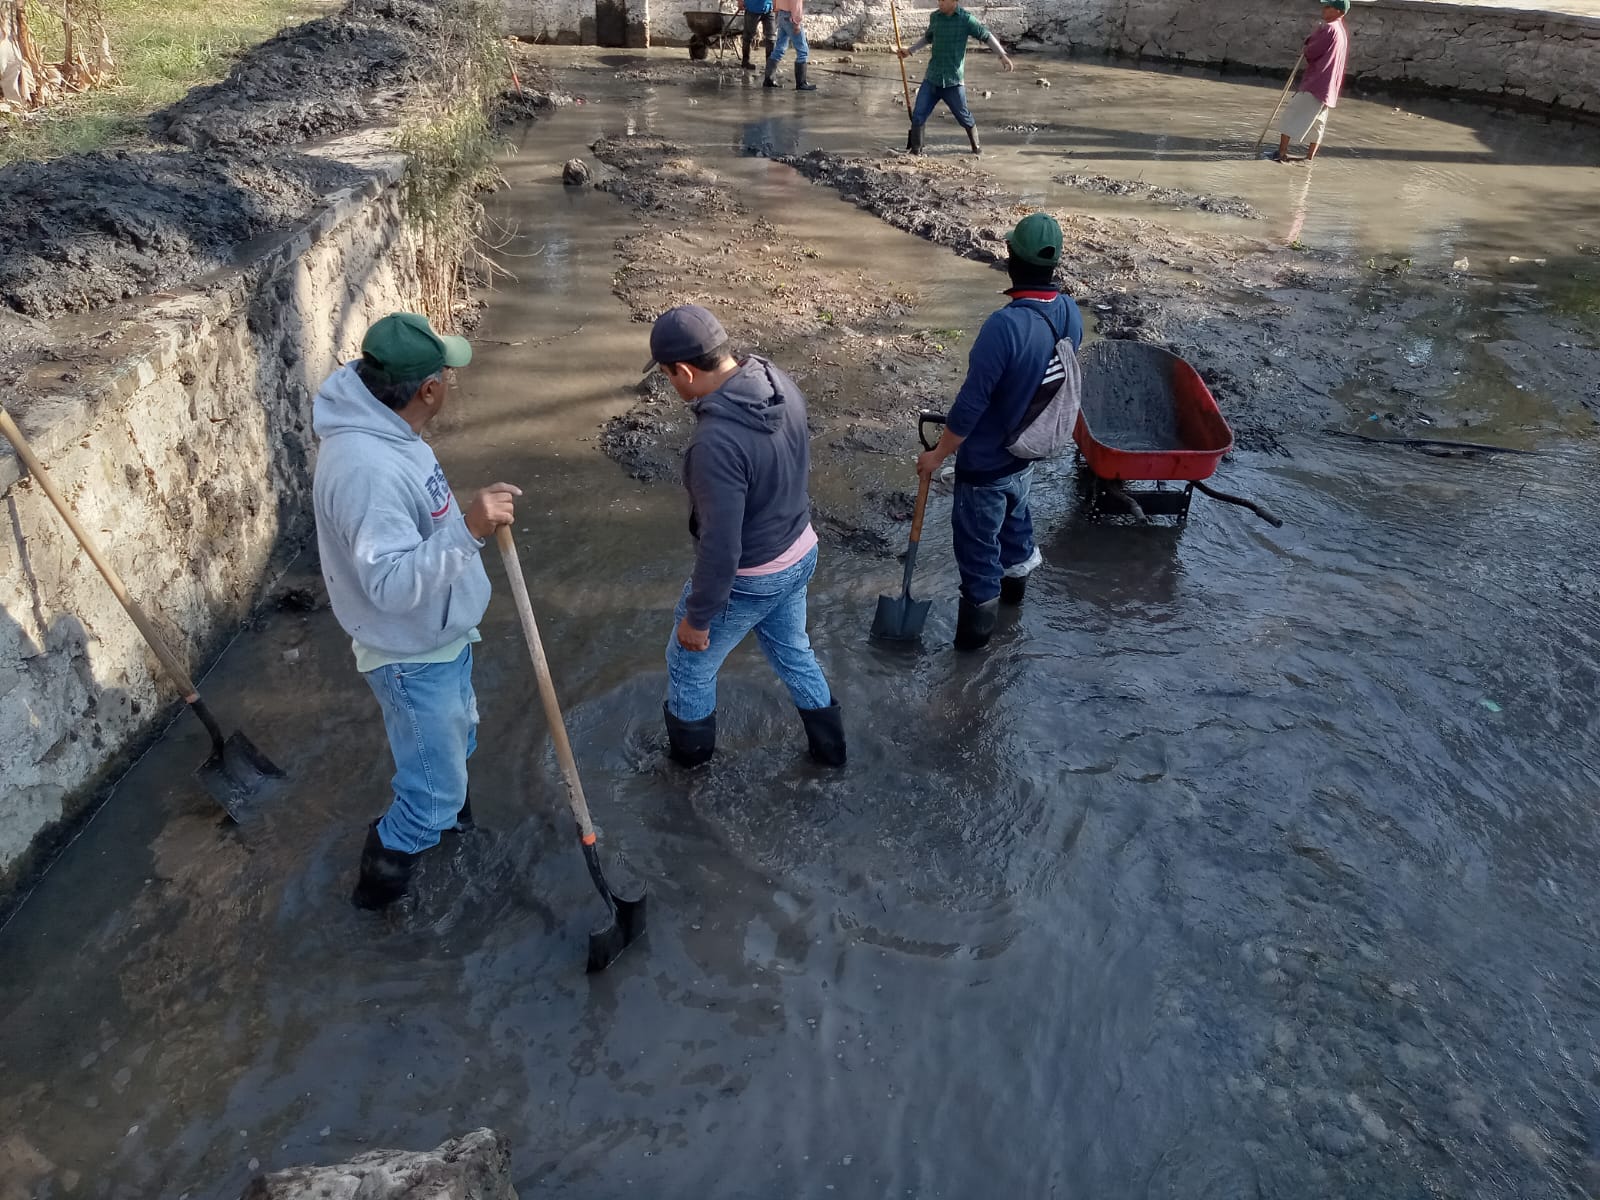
(79, 233)
(932, 198)
(1104, 185)
(314, 80)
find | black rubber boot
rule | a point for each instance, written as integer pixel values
(914, 140)
(769, 79)
(464, 820)
(744, 45)
(825, 734)
(800, 84)
(1013, 588)
(385, 873)
(975, 623)
(972, 140)
(690, 743)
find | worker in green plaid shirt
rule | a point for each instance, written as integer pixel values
(945, 78)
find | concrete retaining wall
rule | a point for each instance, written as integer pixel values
(180, 429)
(1506, 55)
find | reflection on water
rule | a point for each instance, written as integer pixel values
(1250, 862)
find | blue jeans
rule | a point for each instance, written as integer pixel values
(954, 97)
(774, 606)
(992, 530)
(431, 715)
(787, 31)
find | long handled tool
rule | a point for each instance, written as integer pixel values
(914, 136)
(235, 769)
(627, 916)
(1299, 62)
(900, 618)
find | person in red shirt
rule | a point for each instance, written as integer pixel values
(1305, 120)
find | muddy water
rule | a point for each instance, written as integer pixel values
(1432, 179)
(1250, 862)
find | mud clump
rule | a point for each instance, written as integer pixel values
(660, 176)
(927, 198)
(1104, 185)
(645, 443)
(575, 173)
(313, 80)
(79, 233)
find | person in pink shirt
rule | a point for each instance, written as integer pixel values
(1305, 120)
(791, 28)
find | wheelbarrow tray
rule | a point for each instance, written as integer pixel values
(1147, 416)
(707, 26)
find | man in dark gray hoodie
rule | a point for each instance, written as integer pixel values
(746, 469)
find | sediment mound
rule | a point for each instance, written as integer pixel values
(313, 80)
(82, 232)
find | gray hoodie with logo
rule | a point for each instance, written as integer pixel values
(746, 469)
(403, 572)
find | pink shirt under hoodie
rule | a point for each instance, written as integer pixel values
(1327, 49)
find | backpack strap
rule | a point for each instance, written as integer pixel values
(1039, 312)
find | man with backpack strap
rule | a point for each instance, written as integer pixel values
(1015, 377)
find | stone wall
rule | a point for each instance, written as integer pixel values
(1525, 57)
(179, 428)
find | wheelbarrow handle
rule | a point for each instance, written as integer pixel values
(925, 419)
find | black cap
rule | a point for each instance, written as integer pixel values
(682, 333)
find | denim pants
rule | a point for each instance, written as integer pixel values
(431, 714)
(992, 530)
(774, 606)
(788, 30)
(954, 97)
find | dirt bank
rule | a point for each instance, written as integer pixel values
(323, 77)
(85, 231)
(82, 232)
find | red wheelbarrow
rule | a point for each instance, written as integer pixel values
(1148, 417)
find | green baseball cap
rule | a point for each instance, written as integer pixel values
(406, 347)
(1036, 240)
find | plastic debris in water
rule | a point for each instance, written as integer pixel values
(1490, 705)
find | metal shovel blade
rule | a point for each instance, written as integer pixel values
(900, 618)
(237, 774)
(606, 945)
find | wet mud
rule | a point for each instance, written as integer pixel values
(84, 232)
(316, 79)
(1165, 197)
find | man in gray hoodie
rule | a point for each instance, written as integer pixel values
(401, 561)
(746, 469)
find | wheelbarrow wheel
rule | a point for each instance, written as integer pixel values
(698, 50)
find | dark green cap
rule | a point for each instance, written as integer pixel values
(1036, 240)
(406, 347)
(1342, 5)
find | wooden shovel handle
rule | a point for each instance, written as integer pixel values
(922, 508)
(904, 82)
(547, 688)
(1282, 96)
(146, 627)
